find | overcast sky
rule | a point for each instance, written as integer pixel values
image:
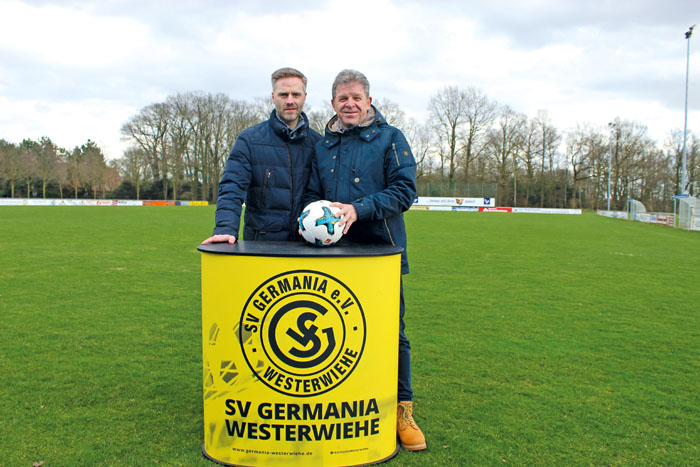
(75, 70)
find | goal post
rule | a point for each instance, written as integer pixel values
(688, 212)
(635, 209)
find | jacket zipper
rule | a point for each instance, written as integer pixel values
(396, 154)
(389, 231)
(291, 180)
(264, 187)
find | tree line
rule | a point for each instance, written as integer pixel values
(468, 136)
(178, 148)
(41, 169)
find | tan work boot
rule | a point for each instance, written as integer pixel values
(411, 437)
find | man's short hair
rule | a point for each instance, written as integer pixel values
(350, 76)
(287, 72)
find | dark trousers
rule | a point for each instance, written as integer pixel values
(405, 392)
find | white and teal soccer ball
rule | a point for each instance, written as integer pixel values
(318, 223)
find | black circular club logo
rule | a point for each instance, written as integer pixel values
(302, 332)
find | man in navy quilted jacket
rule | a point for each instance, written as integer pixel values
(268, 169)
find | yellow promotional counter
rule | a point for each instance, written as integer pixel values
(300, 353)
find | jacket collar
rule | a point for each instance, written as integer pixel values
(367, 130)
(286, 133)
(335, 126)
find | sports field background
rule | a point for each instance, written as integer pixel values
(537, 339)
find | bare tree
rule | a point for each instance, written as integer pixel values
(149, 129)
(74, 168)
(549, 143)
(480, 113)
(393, 114)
(528, 157)
(630, 145)
(10, 164)
(420, 138)
(319, 118)
(583, 147)
(112, 179)
(47, 161)
(655, 188)
(225, 130)
(213, 122)
(693, 161)
(447, 116)
(93, 168)
(62, 170)
(504, 142)
(132, 167)
(674, 149)
(262, 107)
(219, 122)
(28, 164)
(193, 108)
(179, 135)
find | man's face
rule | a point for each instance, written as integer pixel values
(351, 104)
(289, 97)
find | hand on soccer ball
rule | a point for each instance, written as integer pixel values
(320, 223)
(348, 213)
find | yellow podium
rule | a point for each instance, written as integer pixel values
(300, 353)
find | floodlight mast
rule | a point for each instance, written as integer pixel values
(684, 172)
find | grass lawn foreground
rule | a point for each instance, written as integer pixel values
(537, 339)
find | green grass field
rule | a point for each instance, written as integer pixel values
(537, 339)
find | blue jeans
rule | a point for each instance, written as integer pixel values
(405, 392)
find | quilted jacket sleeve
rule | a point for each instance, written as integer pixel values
(232, 188)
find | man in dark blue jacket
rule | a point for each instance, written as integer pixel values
(269, 169)
(366, 167)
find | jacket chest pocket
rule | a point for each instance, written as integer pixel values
(265, 186)
(367, 171)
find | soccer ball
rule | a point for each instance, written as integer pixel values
(318, 223)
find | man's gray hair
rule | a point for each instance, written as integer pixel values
(287, 72)
(350, 76)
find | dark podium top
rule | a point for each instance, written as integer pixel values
(298, 249)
